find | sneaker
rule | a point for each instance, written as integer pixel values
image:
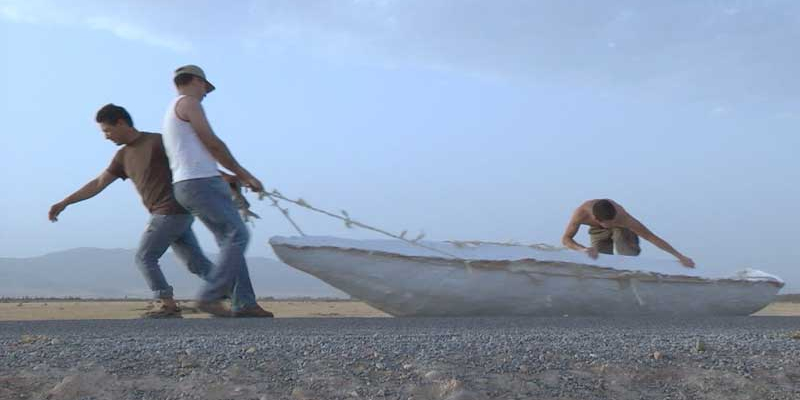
(214, 308)
(164, 312)
(254, 311)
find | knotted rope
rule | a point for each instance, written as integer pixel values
(349, 222)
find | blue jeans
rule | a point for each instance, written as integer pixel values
(175, 231)
(210, 200)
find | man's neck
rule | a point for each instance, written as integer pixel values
(135, 135)
(190, 94)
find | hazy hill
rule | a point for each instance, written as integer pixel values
(92, 272)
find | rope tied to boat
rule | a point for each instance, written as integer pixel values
(284, 211)
(349, 222)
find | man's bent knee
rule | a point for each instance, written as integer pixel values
(199, 267)
(145, 261)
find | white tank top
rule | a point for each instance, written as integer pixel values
(188, 157)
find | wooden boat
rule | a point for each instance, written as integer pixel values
(492, 279)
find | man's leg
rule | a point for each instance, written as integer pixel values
(626, 242)
(210, 200)
(244, 296)
(188, 250)
(160, 232)
(601, 240)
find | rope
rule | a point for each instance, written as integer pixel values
(284, 211)
(348, 221)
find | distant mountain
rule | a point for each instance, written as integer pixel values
(112, 273)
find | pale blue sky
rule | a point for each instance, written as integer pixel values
(467, 119)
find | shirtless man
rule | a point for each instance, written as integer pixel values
(610, 226)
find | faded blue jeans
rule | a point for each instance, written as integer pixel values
(209, 199)
(175, 231)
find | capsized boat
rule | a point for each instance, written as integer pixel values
(493, 279)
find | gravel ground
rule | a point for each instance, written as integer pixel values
(482, 358)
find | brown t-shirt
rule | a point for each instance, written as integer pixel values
(145, 162)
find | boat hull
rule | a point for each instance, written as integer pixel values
(432, 286)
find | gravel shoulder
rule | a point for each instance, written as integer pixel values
(389, 358)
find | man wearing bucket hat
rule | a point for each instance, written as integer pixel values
(142, 159)
(194, 151)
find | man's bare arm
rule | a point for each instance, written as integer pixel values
(573, 226)
(572, 229)
(641, 230)
(190, 109)
(88, 191)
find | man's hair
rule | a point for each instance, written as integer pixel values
(111, 114)
(183, 79)
(603, 210)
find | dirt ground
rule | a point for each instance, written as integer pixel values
(57, 310)
(780, 309)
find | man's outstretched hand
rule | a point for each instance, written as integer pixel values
(56, 209)
(687, 262)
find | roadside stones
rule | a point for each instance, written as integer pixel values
(450, 386)
(69, 387)
(30, 339)
(300, 394)
(75, 386)
(700, 346)
(188, 363)
(463, 395)
(433, 375)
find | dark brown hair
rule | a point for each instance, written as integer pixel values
(603, 210)
(111, 114)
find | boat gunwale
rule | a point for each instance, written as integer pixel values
(619, 274)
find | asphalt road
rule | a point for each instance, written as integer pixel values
(428, 358)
